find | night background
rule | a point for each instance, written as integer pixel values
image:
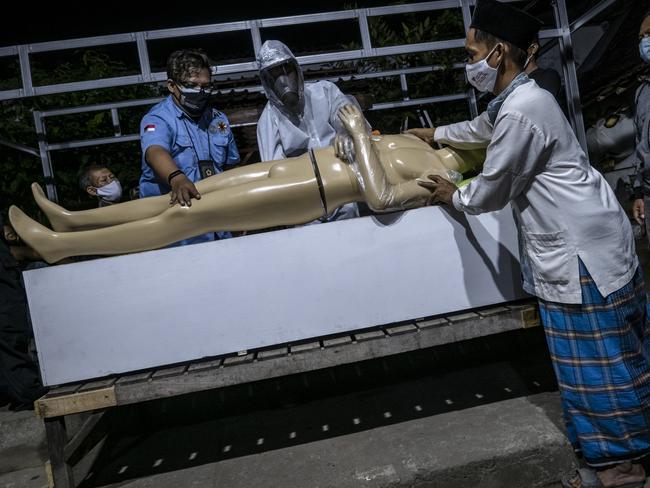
(604, 86)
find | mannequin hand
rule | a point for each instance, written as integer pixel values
(183, 190)
(426, 134)
(352, 119)
(441, 189)
(343, 146)
(638, 211)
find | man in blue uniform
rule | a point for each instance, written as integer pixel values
(184, 139)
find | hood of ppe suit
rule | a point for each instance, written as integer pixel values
(281, 78)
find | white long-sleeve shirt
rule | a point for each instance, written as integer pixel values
(564, 208)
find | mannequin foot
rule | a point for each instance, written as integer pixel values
(45, 241)
(58, 216)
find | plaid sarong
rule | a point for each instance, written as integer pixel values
(601, 355)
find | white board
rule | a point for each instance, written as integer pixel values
(126, 313)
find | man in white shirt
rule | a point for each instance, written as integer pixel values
(576, 246)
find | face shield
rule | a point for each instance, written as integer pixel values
(284, 83)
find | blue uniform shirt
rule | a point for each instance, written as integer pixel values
(187, 141)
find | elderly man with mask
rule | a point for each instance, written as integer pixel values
(576, 248)
(298, 116)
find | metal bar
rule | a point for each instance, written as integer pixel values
(80, 42)
(46, 161)
(25, 71)
(467, 22)
(418, 101)
(9, 51)
(473, 107)
(143, 56)
(421, 47)
(364, 29)
(255, 34)
(570, 75)
(116, 122)
(101, 106)
(20, 147)
(250, 88)
(92, 142)
(413, 7)
(405, 87)
(135, 137)
(590, 14)
(307, 18)
(197, 30)
(87, 85)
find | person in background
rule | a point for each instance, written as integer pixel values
(100, 182)
(20, 381)
(546, 78)
(642, 126)
(184, 138)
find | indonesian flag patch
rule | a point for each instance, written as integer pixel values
(150, 128)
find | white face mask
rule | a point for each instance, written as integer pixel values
(481, 75)
(112, 192)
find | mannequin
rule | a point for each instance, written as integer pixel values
(383, 173)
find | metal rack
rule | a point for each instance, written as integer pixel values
(562, 33)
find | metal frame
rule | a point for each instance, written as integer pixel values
(562, 33)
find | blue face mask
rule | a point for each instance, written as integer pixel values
(644, 49)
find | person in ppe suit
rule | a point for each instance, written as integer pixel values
(577, 249)
(298, 116)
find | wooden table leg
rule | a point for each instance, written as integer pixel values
(56, 440)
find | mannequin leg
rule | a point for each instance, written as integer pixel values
(63, 220)
(255, 205)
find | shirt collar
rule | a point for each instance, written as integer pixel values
(495, 105)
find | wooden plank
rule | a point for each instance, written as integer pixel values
(214, 363)
(82, 434)
(463, 317)
(233, 360)
(337, 341)
(63, 390)
(174, 371)
(48, 474)
(309, 346)
(56, 440)
(370, 335)
(425, 324)
(401, 329)
(487, 312)
(75, 403)
(96, 385)
(134, 378)
(530, 317)
(273, 353)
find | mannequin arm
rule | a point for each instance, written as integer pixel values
(378, 192)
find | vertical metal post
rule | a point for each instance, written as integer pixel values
(570, 75)
(255, 34)
(116, 122)
(467, 21)
(143, 56)
(46, 160)
(364, 29)
(25, 70)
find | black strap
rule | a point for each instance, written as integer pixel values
(319, 180)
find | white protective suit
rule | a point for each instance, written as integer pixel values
(282, 133)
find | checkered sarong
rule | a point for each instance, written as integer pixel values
(601, 354)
